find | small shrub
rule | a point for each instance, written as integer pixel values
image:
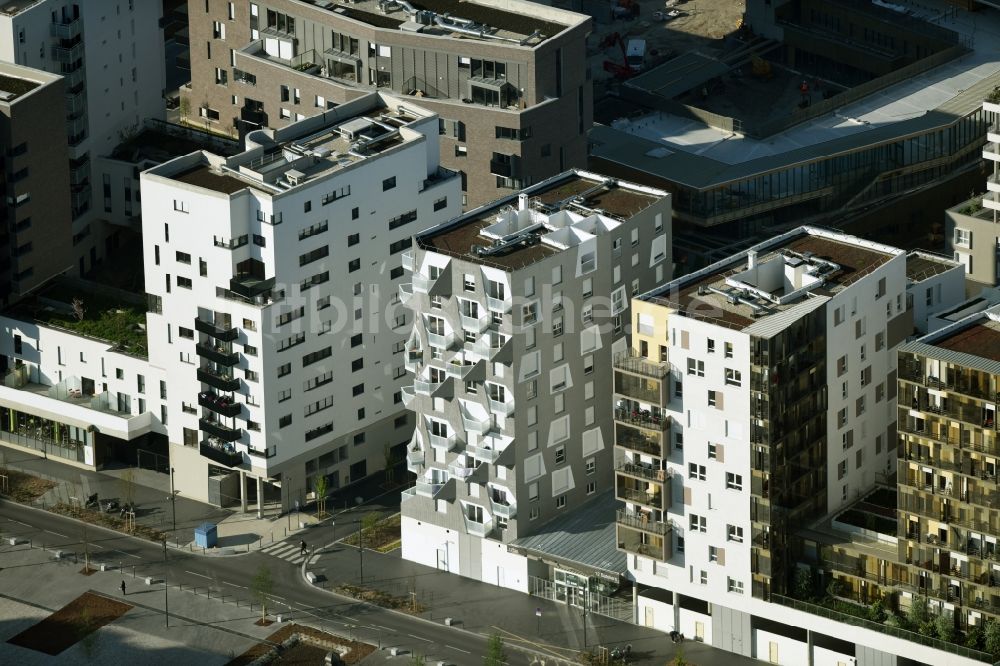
(876, 612)
(945, 626)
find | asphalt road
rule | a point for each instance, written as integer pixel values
(232, 575)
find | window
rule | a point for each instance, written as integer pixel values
(441, 204)
(285, 420)
(696, 471)
(353, 265)
(180, 207)
(388, 183)
(357, 390)
(560, 501)
(734, 481)
(733, 377)
(560, 455)
(841, 469)
(712, 451)
(591, 487)
(591, 466)
(710, 347)
(734, 586)
(841, 365)
(183, 282)
(842, 418)
(713, 554)
(734, 533)
(697, 523)
(696, 368)
(963, 237)
(728, 346)
(711, 398)
(183, 257)
(185, 332)
(284, 369)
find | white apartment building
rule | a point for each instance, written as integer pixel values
(111, 55)
(933, 283)
(518, 307)
(758, 397)
(275, 319)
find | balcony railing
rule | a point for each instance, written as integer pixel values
(485, 453)
(630, 361)
(428, 488)
(66, 30)
(642, 521)
(408, 262)
(217, 354)
(640, 497)
(442, 340)
(505, 408)
(504, 509)
(415, 457)
(643, 471)
(217, 332)
(405, 293)
(221, 453)
(408, 394)
(217, 429)
(643, 419)
(219, 404)
(499, 304)
(477, 324)
(220, 381)
(448, 443)
(654, 444)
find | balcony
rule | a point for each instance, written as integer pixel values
(221, 453)
(408, 261)
(415, 457)
(503, 508)
(250, 287)
(406, 293)
(640, 387)
(409, 394)
(217, 429)
(68, 54)
(476, 528)
(650, 441)
(442, 340)
(636, 539)
(447, 442)
(642, 520)
(501, 407)
(414, 359)
(503, 305)
(652, 493)
(66, 29)
(217, 354)
(477, 324)
(432, 389)
(463, 468)
(217, 332)
(458, 370)
(643, 419)
(220, 381)
(634, 364)
(219, 404)
(432, 488)
(647, 472)
(490, 348)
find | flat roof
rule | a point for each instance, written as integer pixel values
(159, 142)
(980, 339)
(550, 217)
(924, 265)
(13, 87)
(701, 156)
(280, 160)
(585, 537)
(787, 272)
(461, 20)
(15, 7)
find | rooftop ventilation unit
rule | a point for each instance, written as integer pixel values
(703, 290)
(294, 176)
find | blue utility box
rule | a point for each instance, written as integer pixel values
(206, 535)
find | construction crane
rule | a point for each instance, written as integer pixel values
(619, 71)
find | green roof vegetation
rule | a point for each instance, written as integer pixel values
(117, 321)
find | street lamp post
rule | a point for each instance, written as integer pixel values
(288, 499)
(361, 552)
(586, 600)
(173, 503)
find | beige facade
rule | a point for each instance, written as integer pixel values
(514, 108)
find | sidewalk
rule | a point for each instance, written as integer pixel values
(237, 532)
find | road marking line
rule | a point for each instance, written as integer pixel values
(224, 582)
(426, 640)
(20, 523)
(197, 574)
(56, 533)
(455, 648)
(122, 552)
(95, 545)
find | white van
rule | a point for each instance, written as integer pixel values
(635, 54)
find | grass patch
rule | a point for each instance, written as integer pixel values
(380, 598)
(70, 624)
(381, 534)
(25, 488)
(293, 641)
(110, 520)
(116, 321)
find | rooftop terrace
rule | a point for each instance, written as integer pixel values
(13, 87)
(463, 20)
(158, 142)
(773, 277)
(542, 221)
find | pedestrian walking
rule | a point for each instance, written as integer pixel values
(303, 547)
(123, 588)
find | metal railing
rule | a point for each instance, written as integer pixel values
(639, 521)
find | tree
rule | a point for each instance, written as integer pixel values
(320, 488)
(945, 626)
(876, 612)
(918, 614)
(261, 588)
(78, 310)
(495, 654)
(86, 550)
(370, 523)
(992, 639)
(417, 660)
(974, 638)
(128, 486)
(185, 107)
(390, 465)
(803, 583)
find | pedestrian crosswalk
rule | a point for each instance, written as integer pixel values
(288, 551)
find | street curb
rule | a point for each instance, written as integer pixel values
(535, 653)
